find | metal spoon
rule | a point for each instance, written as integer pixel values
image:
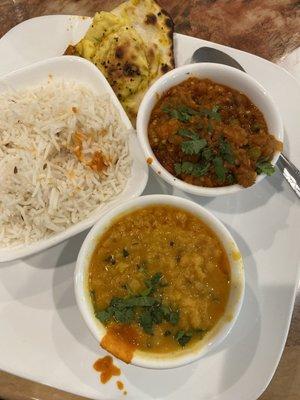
(209, 54)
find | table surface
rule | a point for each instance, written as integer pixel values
(268, 28)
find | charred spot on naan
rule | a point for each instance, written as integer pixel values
(151, 19)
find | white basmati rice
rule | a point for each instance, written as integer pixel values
(44, 188)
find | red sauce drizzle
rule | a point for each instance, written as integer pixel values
(120, 385)
(121, 341)
(106, 368)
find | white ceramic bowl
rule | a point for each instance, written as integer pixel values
(221, 329)
(82, 71)
(222, 74)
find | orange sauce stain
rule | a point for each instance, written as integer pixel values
(98, 162)
(75, 110)
(120, 385)
(102, 132)
(107, 369)
(121, 341)
(149, 160)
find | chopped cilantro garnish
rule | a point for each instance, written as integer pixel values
(152, 284)
(230, 178)
(226, 151)
(142, 308)
(254, 153)
(207, 153)
(177, 168)
(193, 146)
(183, 337)
(220, 170)
(200, 170)
(186, 167)
(188, 134)
(209, 128)
(190, 168)
(174, 317)
(212, 114)
(182, 113)
(255, 127)
(146, 322)
(104, 315)
(265, 167)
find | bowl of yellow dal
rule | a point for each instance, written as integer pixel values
(159, 281)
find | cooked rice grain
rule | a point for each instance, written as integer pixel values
(44, 188)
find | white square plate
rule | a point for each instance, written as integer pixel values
(42, 335)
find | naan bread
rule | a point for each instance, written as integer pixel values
(132, 46)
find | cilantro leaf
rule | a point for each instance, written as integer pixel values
(187, 110)
(254, 153)
(143, 309)
(183, 337)
(124, 316)
(182, 113)
(190, 168)
(226, 151)
(104, 315)
(157, 315)
(187, 167)
(166, 312)
(207, 153)
(215, 114)
(146, 322)
(255, 127)
(265, 167)
(200, 169)
(230, 178)
(177, 168)
(141, 301)
(220, 170)
(174, 317)
(212, 114)
(153, 283)
(209, 128)
(187, 133)
(193, 146)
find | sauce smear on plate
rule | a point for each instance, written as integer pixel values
(107, 368)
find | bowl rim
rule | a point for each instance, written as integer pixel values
(157, 89)
(221, 329)
(8, 254)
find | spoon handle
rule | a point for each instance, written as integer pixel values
(290, 172)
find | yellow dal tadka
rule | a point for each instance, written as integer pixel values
(159, 280)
